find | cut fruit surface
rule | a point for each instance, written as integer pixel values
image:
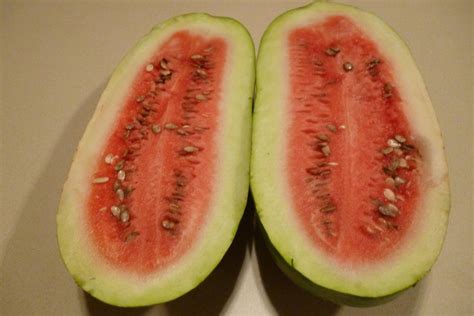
(348, 169)
(160, 178)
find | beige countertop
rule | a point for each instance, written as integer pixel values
(56, 57)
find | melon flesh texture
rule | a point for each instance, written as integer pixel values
(174, 188)
(348, 170)
(156, 192)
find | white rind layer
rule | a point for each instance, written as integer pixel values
(271, 192)
(229, 197)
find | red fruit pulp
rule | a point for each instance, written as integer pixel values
(344, 107)
(165, 135)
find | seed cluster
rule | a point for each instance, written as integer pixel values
(398, 152)
(389, 203)
(321, 173)
(144, 124)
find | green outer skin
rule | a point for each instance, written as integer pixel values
(292, 251)
(230, 190)
(314, 288)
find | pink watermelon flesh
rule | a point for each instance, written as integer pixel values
(163, 139)
(351, 142)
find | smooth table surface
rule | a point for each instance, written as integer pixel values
(56, 57)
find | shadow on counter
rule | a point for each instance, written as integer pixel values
(286, 297)
(289, 299)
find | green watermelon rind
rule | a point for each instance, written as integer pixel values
(82, 260)
(292, 250)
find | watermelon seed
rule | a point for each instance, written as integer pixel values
(149, 67)
(332, 163)
(140, 98)
(115, 211)
(155, 128)
(402, 163)
(200, 97)
(400, 138)
(388, 224)
(109, 159)
(332, 51)
(347, 67)
(342, 126)
(121, 175)
(389, 210)
(390, 181)
(393, 143)
(331, 127)
(328, 208)
(318, 62)
(390, 195)
(190, 149)
(167, 224)
(394, 164)
(312, 171)
(164, 64)
(369, 229)
(174, 206)
(100, 180)
(387, 90)
(407, 147)
(323, 137)
(129, 126)
(399, 181)
(103, 209)
(165, 72)
(201, 72)
(124, 216)
(181, 132)
(128, 190)
(398, 151)
(197, 57)
(324, 196)
(119, 165)
(373, 63)
(326, 151)
(117, 185)
(387, 150)
(120, 194)
(388, 171)
(171, 126)
(376, 202)
(132, 236)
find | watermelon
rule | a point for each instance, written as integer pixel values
(159, 181)
(348, 169)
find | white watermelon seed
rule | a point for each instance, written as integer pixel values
(149, 67)
(115, 211)
(100, 180)
(124, 216)
(190, 149)
(347, 67)
(121, 175)
(390, 195)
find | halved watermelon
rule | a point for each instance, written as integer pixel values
(160, 178)
(348, 170)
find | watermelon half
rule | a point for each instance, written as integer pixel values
(159, 181)
(348, 170)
